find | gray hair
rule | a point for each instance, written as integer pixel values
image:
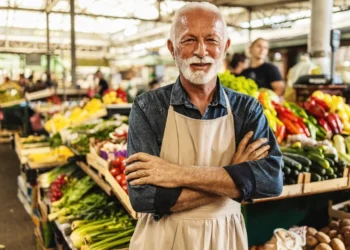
(196, 5)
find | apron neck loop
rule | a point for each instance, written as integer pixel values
(228, 105)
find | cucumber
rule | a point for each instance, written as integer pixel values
(317, 169)
(294, 173)
(340, 174)
(320, 161)
(316, 150)
(315, 177)
(333, 176)
(331, 156)
(287, 170)
(305, 169)
(326, 177)
(289, 162)
(331, 162)
(329, 171)
(291, 181)
(291, 150)
(341, 163)
(322, 178)
(299, 158)
(336, 169)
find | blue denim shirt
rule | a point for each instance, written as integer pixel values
(255, 179)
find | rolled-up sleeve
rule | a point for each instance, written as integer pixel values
(261, 178)
(141, 138)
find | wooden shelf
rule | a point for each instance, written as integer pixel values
(97, 179)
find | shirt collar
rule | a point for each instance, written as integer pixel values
(180, 97)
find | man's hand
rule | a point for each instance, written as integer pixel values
(149, 169)
(252, 152)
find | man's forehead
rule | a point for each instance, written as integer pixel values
(200, 18)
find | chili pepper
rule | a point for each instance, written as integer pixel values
(312, 128)
(312, 120)
(324, 124)
(280, 132)
(303, 127)
(332, 121)
(320, 102)
(314, 109)
(340, 125)
(297, 110)
(292, 127)
(289, 115)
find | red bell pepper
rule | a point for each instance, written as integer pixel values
(321, 103)
(292, 127)
(324, 124)
(313, 108)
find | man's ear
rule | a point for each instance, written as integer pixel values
(171, 48)
(227, 46)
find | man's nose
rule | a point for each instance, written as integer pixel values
(201, 50)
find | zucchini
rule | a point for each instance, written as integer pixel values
(333, 176)
(294, 173)
(315, 168)
(329, 171)
(291, 163)
(315, 177)
(287, 170)
(291, 181)
(331, 156)
(299, 158)
(306, 169)
(331, 162)
(320, 161)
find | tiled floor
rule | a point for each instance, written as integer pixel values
(16, 227)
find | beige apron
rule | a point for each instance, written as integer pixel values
(215, 226)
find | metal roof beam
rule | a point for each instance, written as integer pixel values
(50, 5)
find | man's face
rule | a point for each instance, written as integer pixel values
(260, 49)
(199, 47)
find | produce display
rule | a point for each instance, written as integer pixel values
(46, 179)
(34, 139)
(60, 154)
(118, 96)
(10, 92)
(239, 83)
(75, 116)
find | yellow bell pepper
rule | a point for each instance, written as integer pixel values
(270, 119)
(318, 94)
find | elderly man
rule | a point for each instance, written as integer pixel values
(184, 172)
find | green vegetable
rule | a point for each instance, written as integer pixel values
(319, 160)
(330, 156)
(306, 169)
(339, 144)
(295, 173)
(291, 150)
(291, 163)
(291, 181)
(333, 176)
(331, 162)
(344, 157)
(329, 171)
(315, 177)
(315, 168)
(287, 170)
(316, 150)
(299, 158)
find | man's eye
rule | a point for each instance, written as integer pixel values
(189, 40)
(212, 40)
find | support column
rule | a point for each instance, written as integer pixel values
(250, 25)
(72, 36)
(319, 36)
(48, 52)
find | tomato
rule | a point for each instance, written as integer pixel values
(124, 182)
(122, 167)
(118, 161)
(115, 172)
(119, 178)
(125, 187)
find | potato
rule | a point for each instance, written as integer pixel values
(340, 237)
(344, 229)
(322, 237)
(344, 223)
(337, 244)
(311, 231)
(311, 241)
(323, 246)
(334, 224)
(332, 234)
(325, 230)
(347, 238)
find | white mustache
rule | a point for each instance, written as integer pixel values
(194, 59)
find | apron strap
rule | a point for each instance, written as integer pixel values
(228, 105)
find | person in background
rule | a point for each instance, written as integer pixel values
(266, 75)
(22, 81)
(238, 64)
(154, 84)
(102, 83)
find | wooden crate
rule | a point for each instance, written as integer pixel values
(95, 161)
(39, 94)
(23, 150)
(296, 189)
(334, 212)
(11, 103)
(327, 185)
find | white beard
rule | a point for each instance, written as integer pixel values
(199, 77)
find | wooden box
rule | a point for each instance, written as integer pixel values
(334, 212)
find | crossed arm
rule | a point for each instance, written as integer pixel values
(196, 185)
